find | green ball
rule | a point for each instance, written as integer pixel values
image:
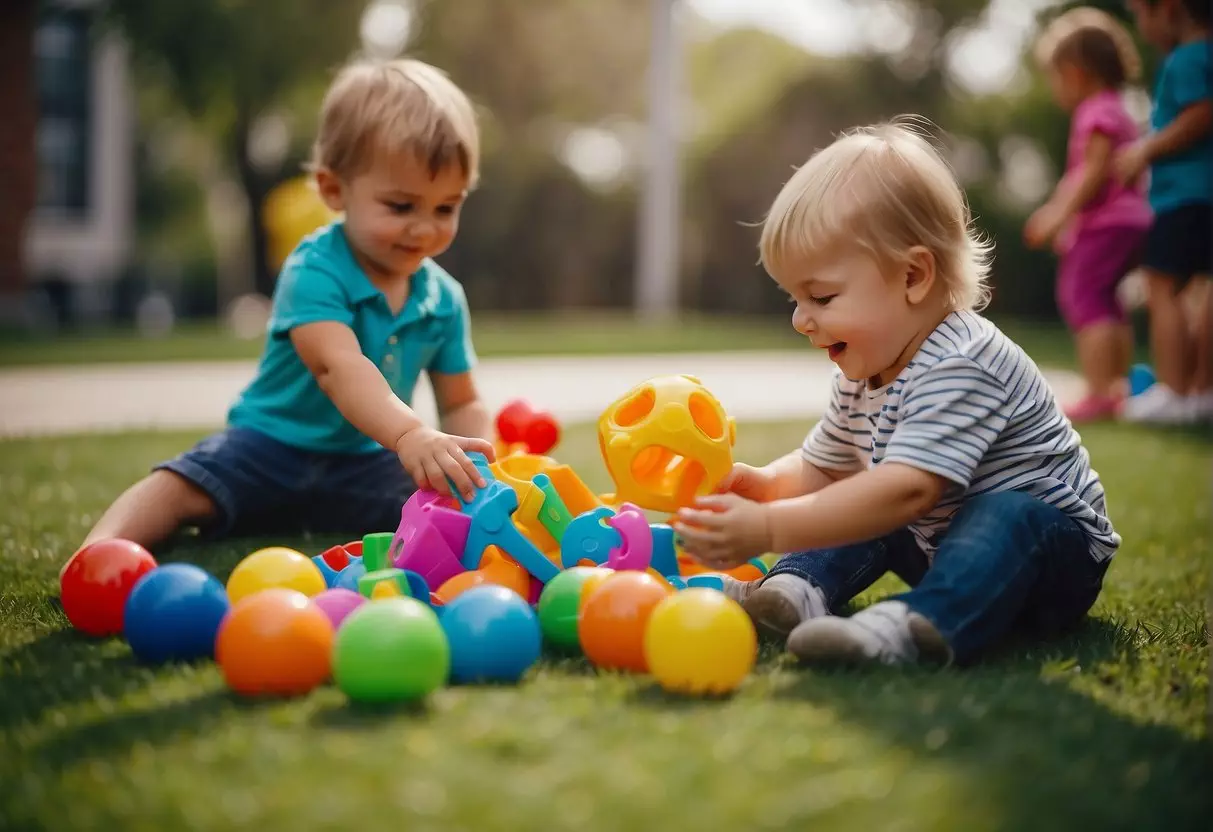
(559, 604)
(390, 650)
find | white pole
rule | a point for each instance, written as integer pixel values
(657, 272)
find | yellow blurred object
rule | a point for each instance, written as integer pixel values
(700, 642)
(292, 210)
(274, 566)
(665, 442)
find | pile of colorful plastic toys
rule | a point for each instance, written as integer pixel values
(466, 591)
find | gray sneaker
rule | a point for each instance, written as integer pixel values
(884, 633)
(781, 602)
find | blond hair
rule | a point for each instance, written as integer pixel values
(1095, 41)
(882, 189)
(393, 107)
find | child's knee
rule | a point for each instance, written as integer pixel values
(183, 498)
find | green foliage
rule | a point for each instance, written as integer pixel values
(1103, 729)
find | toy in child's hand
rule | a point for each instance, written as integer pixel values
(666, 442)
(535, 431)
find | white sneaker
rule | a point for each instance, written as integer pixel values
(1158, 405)
(1200, 406)
(782, 602)
(884, 633)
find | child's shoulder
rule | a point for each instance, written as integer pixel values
(445, 293)
(968, 338)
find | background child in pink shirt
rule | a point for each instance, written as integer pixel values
(1096, 224)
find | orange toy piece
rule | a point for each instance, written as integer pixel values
(688, 566)
(613, 619)
(275, 642)
(666, 442)
(518, 470)
(496, 567)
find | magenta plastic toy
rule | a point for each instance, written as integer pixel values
(636, 551)
(431, 539)
(337, 604)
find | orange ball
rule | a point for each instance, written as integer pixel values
(276, 642)
(613, 619)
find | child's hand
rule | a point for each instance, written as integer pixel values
(430, 456)
(757, 484)
(1130, 163)
(1044, 224)
(724, 530)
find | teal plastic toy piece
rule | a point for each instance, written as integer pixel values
(707, 580)
(490, 511)
(554, 515)
(665, 558)
(589, 538)
(676, 581)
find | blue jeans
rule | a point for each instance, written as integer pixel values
(1007, 563)
(262, 486)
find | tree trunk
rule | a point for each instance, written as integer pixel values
(256, 188)
(18, 156)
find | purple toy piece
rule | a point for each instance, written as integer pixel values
(430, 539)
(338, 603)
(636, 551)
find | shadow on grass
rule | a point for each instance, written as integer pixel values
(1047, 755)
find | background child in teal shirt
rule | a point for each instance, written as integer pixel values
(323, 438)
(1179, 154)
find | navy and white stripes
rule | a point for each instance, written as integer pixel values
(973, 408)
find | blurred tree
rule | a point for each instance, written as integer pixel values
(228, 63)
(18, 158)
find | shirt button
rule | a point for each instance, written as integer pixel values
(392, 340)
(389, 358)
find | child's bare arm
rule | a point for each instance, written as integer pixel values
(789, 476)
(1189, 127)
(331, 352)
(1073, 192)
(460, 408)
(868, 505)
(724, 530)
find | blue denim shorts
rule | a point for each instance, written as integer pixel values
(261, 485)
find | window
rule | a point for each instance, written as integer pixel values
(63, 57)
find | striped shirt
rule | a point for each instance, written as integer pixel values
(973, 408)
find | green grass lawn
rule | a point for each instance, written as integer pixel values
(1105, 729)
(496, 335)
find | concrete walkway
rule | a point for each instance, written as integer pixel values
(39, 401)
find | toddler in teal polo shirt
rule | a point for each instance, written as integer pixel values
(323, 438)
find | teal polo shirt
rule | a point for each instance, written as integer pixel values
(321, 281)
(1183, 178)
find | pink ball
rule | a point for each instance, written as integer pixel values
(338, 603)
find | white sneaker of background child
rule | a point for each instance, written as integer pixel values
(1158, 405)
(1200, 406)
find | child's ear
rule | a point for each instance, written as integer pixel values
(919, 274)
(329, 187)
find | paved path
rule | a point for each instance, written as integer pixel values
(751, 386)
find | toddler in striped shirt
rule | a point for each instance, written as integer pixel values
(943, 456)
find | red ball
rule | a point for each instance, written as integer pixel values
(512, 421)
(94, 587)
(542, 433)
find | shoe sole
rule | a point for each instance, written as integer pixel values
(827, 646)
(773, 615)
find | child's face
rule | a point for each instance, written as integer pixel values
(864, 319)
(1067, 83)
(1155, 19)
(396, 212)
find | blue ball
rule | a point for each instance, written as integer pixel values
(348, 578)
(173, 614)
(1141, 379)
(494, 635)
